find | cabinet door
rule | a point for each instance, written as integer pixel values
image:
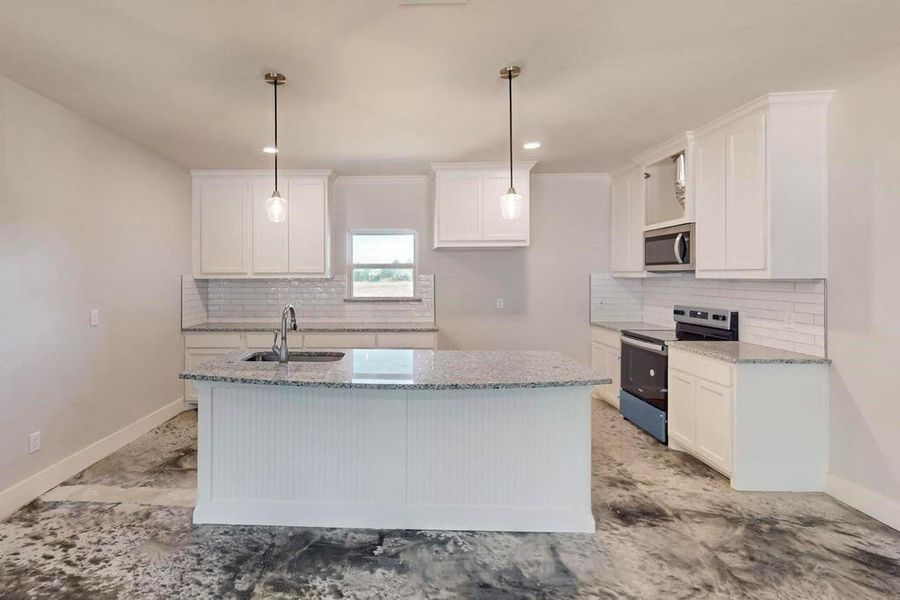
(307, 225)
(612, 369)
(270, 240)
(618, 224)
(682, 408)
(458, 210)
(194, 357)
(709, 201)
(713, 424)
(223, 212)
(635, 227)
(494, 226)
(746, 211)
(627, 223)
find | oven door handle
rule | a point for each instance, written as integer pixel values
(657, 348)
(679, 252)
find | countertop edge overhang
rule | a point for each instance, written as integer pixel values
(425, 370)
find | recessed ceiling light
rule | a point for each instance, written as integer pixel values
(531, 145)
(270, 150)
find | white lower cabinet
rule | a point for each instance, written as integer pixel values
(606, 354)
(700, 413)
(764, 425)
(194, 357)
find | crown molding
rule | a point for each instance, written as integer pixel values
(588, 177)
(262, 172)
(381, 179)
(462, 166)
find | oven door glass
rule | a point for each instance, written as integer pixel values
(644, 373)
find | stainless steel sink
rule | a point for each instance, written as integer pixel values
(296, 357)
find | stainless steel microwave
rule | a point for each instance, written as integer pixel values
(669, 248)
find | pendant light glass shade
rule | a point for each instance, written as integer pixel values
(276, 207)
(511, 205)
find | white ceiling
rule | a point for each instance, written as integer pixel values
(376, 87)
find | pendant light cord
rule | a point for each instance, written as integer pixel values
(510, 133)
(275, 91)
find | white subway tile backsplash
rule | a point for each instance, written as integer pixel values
(782, 314)
(316, 301)
(194, 299)
(614, 299)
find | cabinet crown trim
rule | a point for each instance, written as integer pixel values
(477, 166)
(673, 145)
(820, 97)
(323, 173)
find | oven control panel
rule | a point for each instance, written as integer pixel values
(710, 317)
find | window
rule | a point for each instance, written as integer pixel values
(382, 264)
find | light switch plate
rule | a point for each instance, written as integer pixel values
(95, 317)
(34, 442)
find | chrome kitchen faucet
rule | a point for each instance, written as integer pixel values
(282, 349)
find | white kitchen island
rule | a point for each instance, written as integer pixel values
(405, 439)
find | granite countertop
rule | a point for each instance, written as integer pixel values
(742, 352)
(399, 327)
(407, 369)
(618, 326)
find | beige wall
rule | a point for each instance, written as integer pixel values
(864, 294)
(87, 220)
(545, 287)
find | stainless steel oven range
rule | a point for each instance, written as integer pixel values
(643, 399)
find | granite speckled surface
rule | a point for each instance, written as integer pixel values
(742, 352)
(399, 327)
(667, 527)
(407, 369)
(620, 325)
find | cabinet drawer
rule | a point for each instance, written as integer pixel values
(605, 336)
(212, 340)
(265, 340)
(406, 340)
(704, 368)
(339, 340)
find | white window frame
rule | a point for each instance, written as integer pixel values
(414, 266)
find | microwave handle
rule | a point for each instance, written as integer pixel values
(679, 252)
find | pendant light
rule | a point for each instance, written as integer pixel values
(511, 201)
(276, 206)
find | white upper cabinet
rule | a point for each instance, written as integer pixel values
(233, 236)
(467, 211)
(627, 224)
(760, 190)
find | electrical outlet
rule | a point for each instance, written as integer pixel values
(499, 303)
(34, 442)
(95, 317)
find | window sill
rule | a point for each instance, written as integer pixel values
(382, 299)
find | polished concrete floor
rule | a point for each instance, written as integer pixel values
(667, 527)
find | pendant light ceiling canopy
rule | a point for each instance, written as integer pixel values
(276, 205)
(511, 201)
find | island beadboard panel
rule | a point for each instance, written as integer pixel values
(316, 301)
(489, 460)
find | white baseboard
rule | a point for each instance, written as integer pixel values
(20, 494)
(863, 499)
